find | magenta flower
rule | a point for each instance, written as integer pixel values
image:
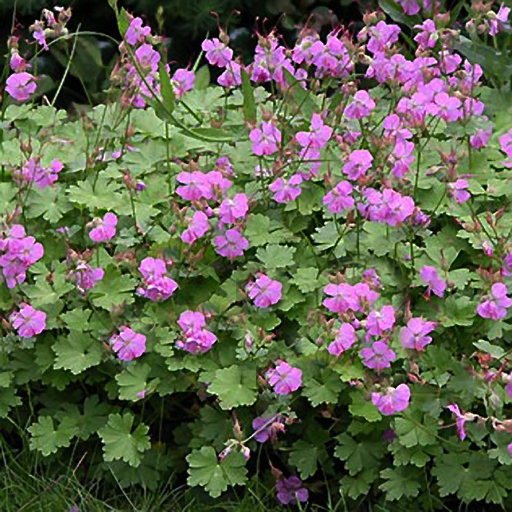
(217, 53)
(217, 182)
(182, 81)
(479, 138)
(290, 491)
(267, 428)
(265, 140)
(460, 420)
(360, 107)
(232, 76)
(494, 305)
(378, 356)
(17, 63)
(359, 161)
(197, 342)
(19, 252)
(428, 36)
(380, 321)
(28, 321)
(128, 344)
(435, 284)
(284, 378)
(148, 60)
(231, 244)
(339, 197)
(319, 135)
(232, 209)
(20, 86)
(458, 191)
(382, 37)
(32, 172)
(285, 191)
(157, 286)
(498, 23)
(393, 401)
(345, 338)
(264, 292)
(414, 335)
(195, 186)
(136, 33)
(505, 141)
(190, 321)
(410, 7)
(197, 227)
(105, 229)
(86, 276)
(343, 298)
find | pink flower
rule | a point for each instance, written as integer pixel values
(136, 33)
(265, 140)
(218, 183)
(382, 37)
(359, 161)
(410, 7)
(388, 207)
(345, 338)
(414, 335)
(197, 342)
(128, 344)
(232, 209)
(378, 356)
(479, 139)
(32, 172)
(290, 491)
(182, 81)
(505, 141)
(267, 428)
(197, 227)
(86, 276)
(196, 186)
(148, 59)
(28, 321)
(498, 23)
(319, 135)
(339, 197)
(428, 36)
(380, 321)
(393, 401)
(460, 419)
(217, 53)
(343, 298)
(105, 230)
(20, 86)
(17, 63)
(435, 284)
(284, 378)
(458, 191)
(232, 76)
(264, 292)
(360, 107)
(285, 191)
(157, 286)
(190, 321)
(231, 244)
(494, 305)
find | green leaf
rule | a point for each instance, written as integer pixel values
(355, 486)
(304, 456)
(248, 94)
(324, 389)
(494, 350)
(76, 352)
(411, 431)
(206, 470)
(133, 380)
(113, 290)
(119, 442)
(400, 482)
(364, 408)
(7, 193)
(257, 229)
(202, 78)
(235, 386)
(8, 400)
(306, 279)
(46, 439)
(166, 87)
(457, 311)
(358, 455)
(276, 256)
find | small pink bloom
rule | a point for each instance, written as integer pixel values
(190, 321)
(232, 209)
(458, 191)
(28, 321)
(284, 378)
(231, 244)
(264, 291)
(414, 335)
(494, 305)
(345, 338)
(360, 107)
(195, 186)
(393, 401)
(285, 191)
(378, 356)
(20, 86)
(128, 344)
(290, 491)
(460, 419)
(182, 81)
(106, 229)
(339, 197)
(217, 53)
(136, 33)
(435, 284)
(197, 227)
(359, 161)
(265, 140)
(380, 321)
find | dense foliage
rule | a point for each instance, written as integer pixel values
(286, 275)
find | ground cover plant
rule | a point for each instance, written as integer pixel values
(296, 280)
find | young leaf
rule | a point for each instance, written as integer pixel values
(235, 386)
(249, 102)
(46, 439)
(215, 476)
(119, 442)
(166, 87)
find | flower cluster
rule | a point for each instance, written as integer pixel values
(196, 339)
(157, 286)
